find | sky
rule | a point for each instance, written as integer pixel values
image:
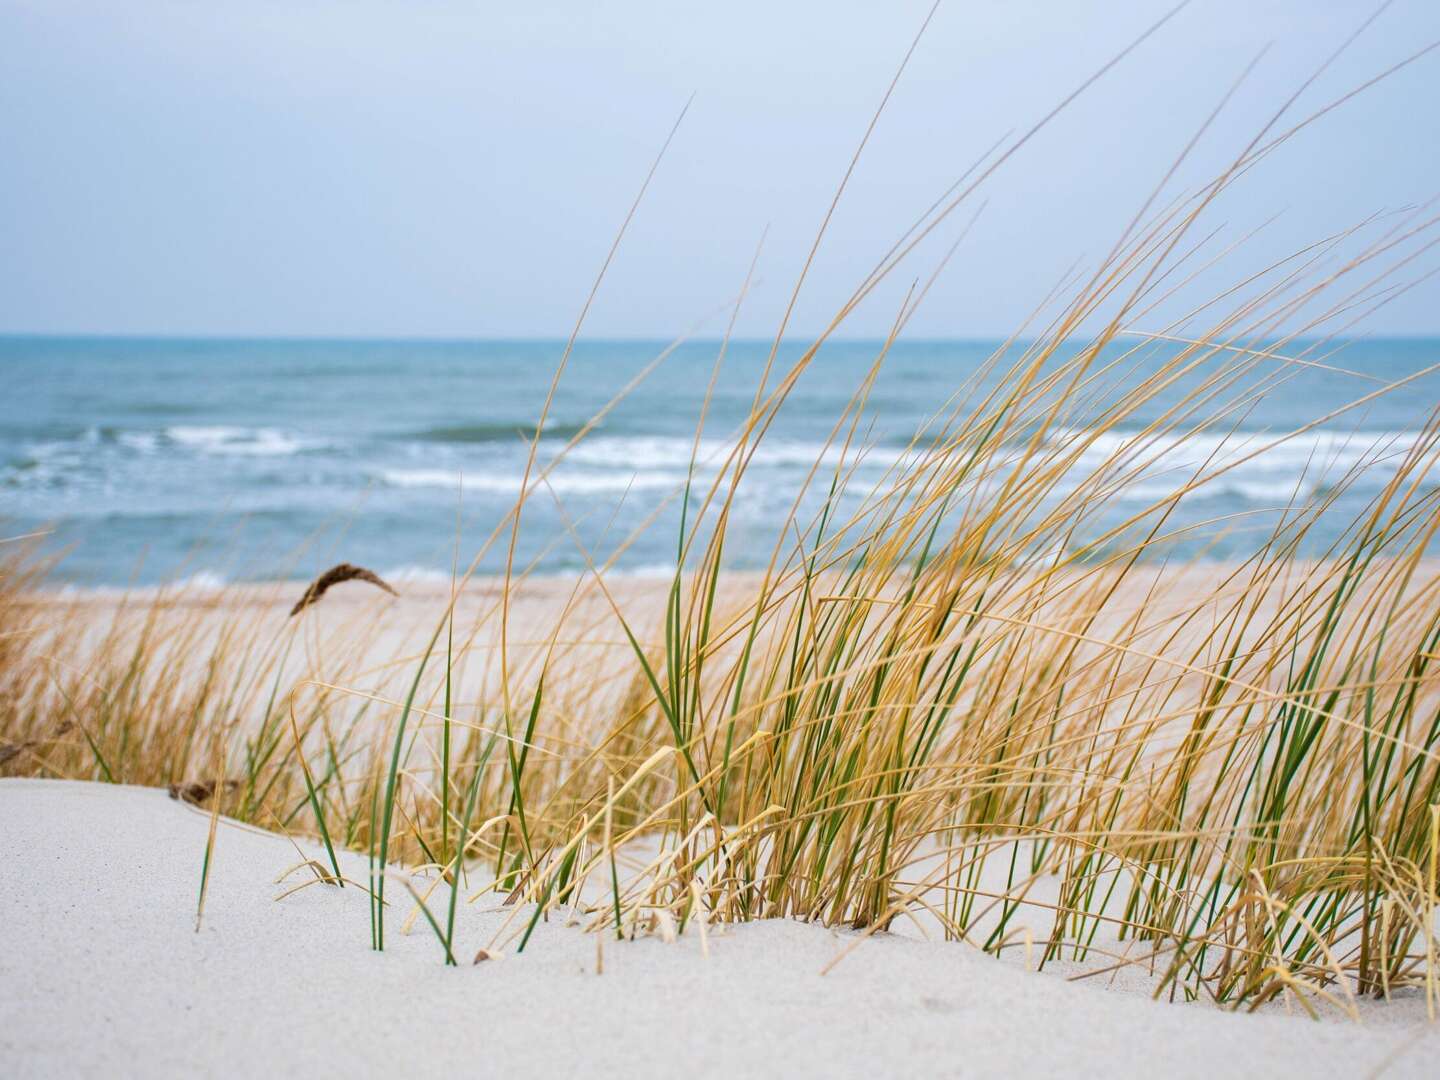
(448, 168)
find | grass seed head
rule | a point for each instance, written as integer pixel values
(336, 575)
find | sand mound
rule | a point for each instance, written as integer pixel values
(102, 973)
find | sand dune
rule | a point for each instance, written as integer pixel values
(103, 973)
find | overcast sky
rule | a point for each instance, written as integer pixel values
(458, 168)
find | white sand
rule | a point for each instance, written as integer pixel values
(102, 973)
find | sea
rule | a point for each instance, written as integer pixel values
(154, 460)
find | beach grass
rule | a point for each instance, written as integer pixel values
(961, 696)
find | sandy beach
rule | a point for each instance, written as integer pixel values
(104, 973)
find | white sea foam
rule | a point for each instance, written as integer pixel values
(647, 571)
(143, 441)
(1264, 468)
(410, 574)
(1281, 492)
(222, 439)
(673, 452)
(202, 581)
(1312, 454)
(1310, 451)
(561, 480)
(422, 478)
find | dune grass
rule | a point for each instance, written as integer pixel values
(964, 696)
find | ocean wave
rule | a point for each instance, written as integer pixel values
(201, 581)
(410, 574)
(508, 483)
(1285, 491)
(223, 439)
(1308, 451)
(644, 571)
(676, 452)
(493, 432)
(1276, 493)
(216, 439)
(1313, 452)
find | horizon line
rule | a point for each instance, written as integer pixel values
(602, 339)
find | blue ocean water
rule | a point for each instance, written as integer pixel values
(252, 460)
